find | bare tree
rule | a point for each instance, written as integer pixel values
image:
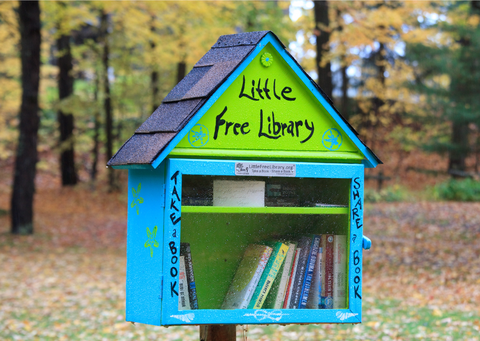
(107, 101)
(27, 155)
(66, 120)
(322, 33)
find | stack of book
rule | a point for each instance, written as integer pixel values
(187, 293)
(308, 273)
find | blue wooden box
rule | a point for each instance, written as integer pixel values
(214, 126)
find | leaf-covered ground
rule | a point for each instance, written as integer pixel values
(67, 281)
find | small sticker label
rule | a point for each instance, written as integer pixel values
(265, 169)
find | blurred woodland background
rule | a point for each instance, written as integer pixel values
(78, 77)
(403, 73)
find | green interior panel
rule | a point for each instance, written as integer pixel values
(197, 190)
(218, 242)
(268, 108)
(219, 235)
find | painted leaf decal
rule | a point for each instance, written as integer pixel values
(155, 243)
(134, 192)
(139, 187)
(140, 200)
(149, 234)
(147, 244)
(132, 204)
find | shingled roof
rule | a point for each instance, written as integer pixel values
(188, 97)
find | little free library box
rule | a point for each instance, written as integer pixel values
(245, 196)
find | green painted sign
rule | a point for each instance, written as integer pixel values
(268, 107)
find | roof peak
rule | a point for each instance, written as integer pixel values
(240, 39)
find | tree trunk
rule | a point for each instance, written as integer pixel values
(154, 73)
(155, 89)
(477, 149)
(457, 156)
(344, 101)
(323, 36)
(343, 60)
(181, 70)
(65, 120)
(460, 130)
(378, 102)
(27, 155)
(107, 104)
(96, 131)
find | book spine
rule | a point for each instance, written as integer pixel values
(288, 294)
(301, 268)
(269, 275)
(183, 298)
(272, 294)
(276, 295)
(192, 290)
(314, 298)
(327, 272)
(318, 295)
(340, 272)
(307, 282)
(256, 278)
(287, 268)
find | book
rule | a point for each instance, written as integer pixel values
(291, 280)
(183, 297)
(305, 246)
(285, 276)
(192, 290)
(279, 251)
(272, 294)
(340, 271)
(327, 272)
(307, 281)
(314, 299)
(247, 277)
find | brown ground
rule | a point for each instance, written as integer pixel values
(424, 255)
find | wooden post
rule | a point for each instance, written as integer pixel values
(215, 332)
(380, 180)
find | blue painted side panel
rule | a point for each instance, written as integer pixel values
(172, 221)
(144, 249)
(356, 243)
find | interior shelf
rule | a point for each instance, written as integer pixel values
(266, 210)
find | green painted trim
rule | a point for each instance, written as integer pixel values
(267, 154)
(265, 210)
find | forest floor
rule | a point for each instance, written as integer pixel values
(67, 281)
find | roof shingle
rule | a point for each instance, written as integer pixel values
(141, 149)
(193, 77)
(170, 117)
